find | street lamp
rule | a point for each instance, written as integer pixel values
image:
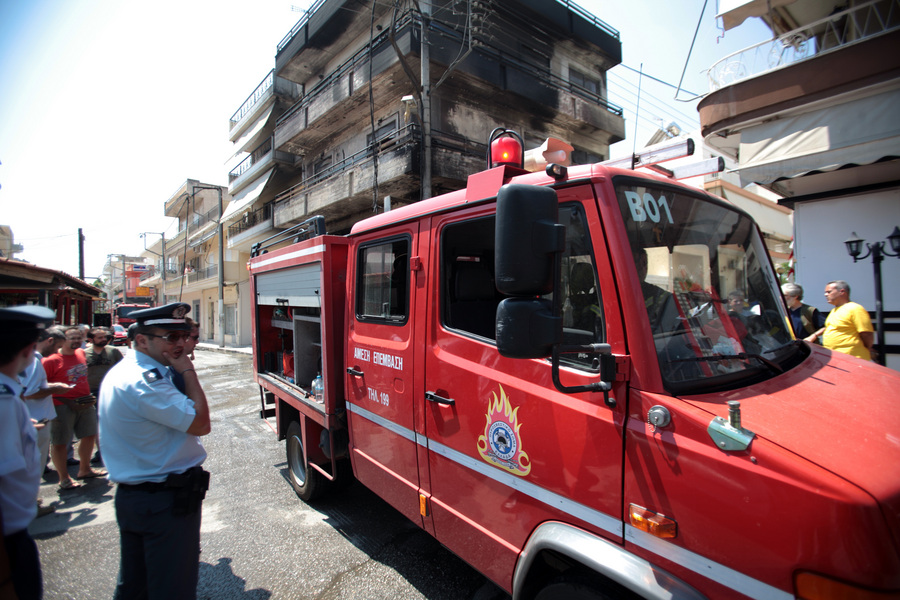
(854, 248)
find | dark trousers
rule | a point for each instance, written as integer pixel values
(25, 565)
(160, 551)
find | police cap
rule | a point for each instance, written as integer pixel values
(169, 316)
(26, 318)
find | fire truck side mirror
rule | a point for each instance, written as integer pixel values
(526, 328)
(529, 240)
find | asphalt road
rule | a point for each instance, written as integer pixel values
(259, 541)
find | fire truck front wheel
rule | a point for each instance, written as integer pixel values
(307, 482)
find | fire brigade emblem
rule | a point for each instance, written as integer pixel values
(501, 444)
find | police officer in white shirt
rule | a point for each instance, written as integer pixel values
(20, 466)
(150, 432)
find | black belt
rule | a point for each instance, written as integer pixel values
(147, 486)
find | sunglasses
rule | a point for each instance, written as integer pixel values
(172, 338)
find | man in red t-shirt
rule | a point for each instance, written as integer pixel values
(76, 412)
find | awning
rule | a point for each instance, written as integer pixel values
(248, 137)
(858, 132)
(246, 198)
(735, 12)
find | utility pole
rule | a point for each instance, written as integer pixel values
(161, 298)
(124, 295)
(426, 99)
(80, 254)
(220, 318)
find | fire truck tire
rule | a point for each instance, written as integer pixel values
(578, 587)
(307, 483)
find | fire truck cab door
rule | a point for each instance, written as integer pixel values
(507, 450)
(380, 363)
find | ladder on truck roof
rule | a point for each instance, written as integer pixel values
(310, 228)
(651, 156)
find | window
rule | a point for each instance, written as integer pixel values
(470, 296)
(585, 82)
(231, 319)
(383, 133)
(582, 309)
(382, 272)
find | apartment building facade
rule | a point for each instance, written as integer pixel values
(344, 127)
(199, 269)
(814, 115)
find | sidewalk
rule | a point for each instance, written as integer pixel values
(211, 347)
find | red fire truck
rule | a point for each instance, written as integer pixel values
(582, 380)
(124, 310)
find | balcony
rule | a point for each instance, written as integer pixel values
(254, 116)
(344, 189)
(341, 99)
(816, 99)
(251, 225)
(834, 32)
(259, 160)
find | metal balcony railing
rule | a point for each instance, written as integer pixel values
(256, 157)
(251, 219)
(399, 137)
(258, 94)
(299, 25)
(201, 274)
(360, 59)
(836, 31)
(567, 3)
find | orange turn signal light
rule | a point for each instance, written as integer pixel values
(653, 523)
(423, 505)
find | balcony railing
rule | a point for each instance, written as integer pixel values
(567, 3)
(299, 25)
(406, 135)
(839, 30)
(251, 160)
(201, 274)
(251, 220)
(258, 94)
(361, 58)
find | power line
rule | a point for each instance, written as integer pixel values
(666, 83)
(661, 105)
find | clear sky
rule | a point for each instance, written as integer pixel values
(107, 107)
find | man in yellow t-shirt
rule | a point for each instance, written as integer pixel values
(848, 328)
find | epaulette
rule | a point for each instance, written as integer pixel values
(152, 376)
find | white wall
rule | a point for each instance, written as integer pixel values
(820, 228)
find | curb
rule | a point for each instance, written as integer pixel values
(247, 351)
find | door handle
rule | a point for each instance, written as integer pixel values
(432, 397)
(354, 372)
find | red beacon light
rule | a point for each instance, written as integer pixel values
(505, 149)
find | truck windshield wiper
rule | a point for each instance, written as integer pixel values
(774, 366)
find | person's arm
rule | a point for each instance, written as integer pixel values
(868, 340)
(192, 389)
(812, 338)
(48, 390)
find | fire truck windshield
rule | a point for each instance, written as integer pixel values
(711, 297)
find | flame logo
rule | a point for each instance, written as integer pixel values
(501, 444)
